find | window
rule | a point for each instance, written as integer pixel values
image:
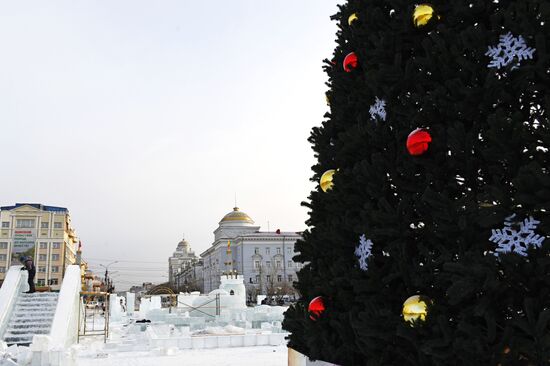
(25, 223)
(256, 250)
(42, 269)
(58, 225)
(44, 225)
(3, 245)
(55, 269)
(42, 257)
(289, 264)
(289, 250)
(41, 282)
(55, 257)
(43, 245)
(54, 281)
(2, 269)
(56, 245)
(267, 251)
(289, 278)
(3, 257)
(279, 278)
(268, 264)
(257, 279)
(278, 250)
(278, 264)
(268, 278)
(5, 224)
(256, 264)
(250, 279)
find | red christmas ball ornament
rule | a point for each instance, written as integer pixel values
(350, 62)
(418, 141)
(316, 307)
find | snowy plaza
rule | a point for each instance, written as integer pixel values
(196, 329)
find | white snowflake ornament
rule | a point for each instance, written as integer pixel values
(510, 240)
(378, 109)
(510, 49)
(363, 252)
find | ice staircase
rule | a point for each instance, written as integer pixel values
(33, 314)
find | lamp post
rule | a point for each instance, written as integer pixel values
(107, 274)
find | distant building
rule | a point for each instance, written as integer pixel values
(191, 278)
(182, 258)
(92, 283)
(43, 232)
(263, 258)
(141, 290)
(145, 286)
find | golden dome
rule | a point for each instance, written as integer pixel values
(237, 215)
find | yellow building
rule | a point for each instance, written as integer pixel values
(43, 232)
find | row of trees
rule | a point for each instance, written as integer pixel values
(268, 284)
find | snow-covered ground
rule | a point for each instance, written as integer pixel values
(93, 351)
(158, 343)
(238, 356)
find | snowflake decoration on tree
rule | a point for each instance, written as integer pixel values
(378, 109)
(507, 50)
(363, 252)
(510, 240)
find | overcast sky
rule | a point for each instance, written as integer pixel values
(145, 118)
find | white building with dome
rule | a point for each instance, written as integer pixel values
(263, 258)
(182, 259)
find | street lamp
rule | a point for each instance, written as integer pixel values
(107, 274)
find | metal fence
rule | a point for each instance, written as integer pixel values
(93, 315)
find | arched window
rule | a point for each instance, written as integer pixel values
(231, 292)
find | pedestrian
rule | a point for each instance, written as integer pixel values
(28, 265)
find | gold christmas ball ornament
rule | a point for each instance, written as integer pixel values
(423, 13)
(326, 180)
(352, 18)
(415, 308)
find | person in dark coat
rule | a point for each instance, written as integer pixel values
(28, 265)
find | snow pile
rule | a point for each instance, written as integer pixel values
(227, 330)
(244, 356)
(14, 355)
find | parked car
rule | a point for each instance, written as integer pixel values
(91, 304)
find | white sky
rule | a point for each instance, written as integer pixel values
(144, 118)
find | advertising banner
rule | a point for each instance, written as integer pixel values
(23, 244)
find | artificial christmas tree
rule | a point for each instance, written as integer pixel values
(463, 224)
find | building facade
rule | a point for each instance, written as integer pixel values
(42, 232)
(263, 258)
(191, 278)
(182, 259)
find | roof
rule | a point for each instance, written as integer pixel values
(38, 206)
(258, 235)
(270, 233)
(238, 216)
